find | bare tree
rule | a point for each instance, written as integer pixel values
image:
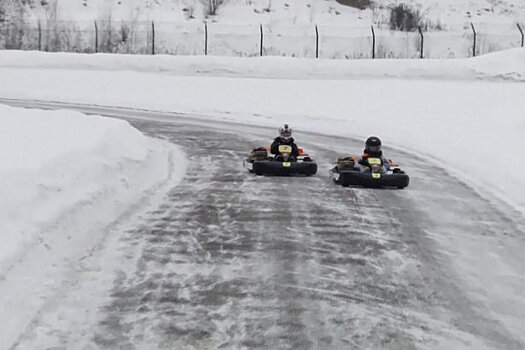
(211, 6)
(13, 26)
(405, 18)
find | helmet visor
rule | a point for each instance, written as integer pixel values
(286, 133)
(374, 148)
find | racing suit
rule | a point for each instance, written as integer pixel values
(363, 161)
(274, 148)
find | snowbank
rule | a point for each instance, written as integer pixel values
(466, 113)
(58, 164)
(506, 64)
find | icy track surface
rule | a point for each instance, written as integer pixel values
(234, 261)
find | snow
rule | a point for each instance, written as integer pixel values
(282, 11)
(507, 64)
(55, 164)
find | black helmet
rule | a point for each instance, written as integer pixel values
(373, 146)
(373, 141)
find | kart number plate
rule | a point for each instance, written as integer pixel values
(287, 164)
(285, 149)
(376, 175)
(374, 161)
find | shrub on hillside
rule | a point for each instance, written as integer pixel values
(405, 18)
(211, 6)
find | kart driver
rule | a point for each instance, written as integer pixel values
(373, 150)
(284, 138)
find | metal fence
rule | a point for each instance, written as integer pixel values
(321, 41)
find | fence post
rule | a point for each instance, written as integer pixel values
(39, 36)
(316, 42)
(96, 37)
(474, 46)
(373, 42)
(262, 38)
(522, 36)
(205, 38)
(422, 41)
(153, 37)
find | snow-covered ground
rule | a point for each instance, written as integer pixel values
(55, 166)
(465, 114)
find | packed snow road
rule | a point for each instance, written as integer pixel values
(231, 260)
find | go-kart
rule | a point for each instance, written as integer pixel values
(348, 172)
(261, 162)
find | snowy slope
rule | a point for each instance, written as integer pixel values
(447, 12)
(58, 166)
(289, 28)
(461, 113)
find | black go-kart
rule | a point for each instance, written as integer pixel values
(348, 172)
(261, 162)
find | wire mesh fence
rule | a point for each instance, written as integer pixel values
(306, 41)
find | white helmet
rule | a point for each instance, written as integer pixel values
(285, 132)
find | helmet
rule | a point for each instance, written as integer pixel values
(373, 141)
(285, 132)
(373, 145)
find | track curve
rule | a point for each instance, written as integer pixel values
(231, 260)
